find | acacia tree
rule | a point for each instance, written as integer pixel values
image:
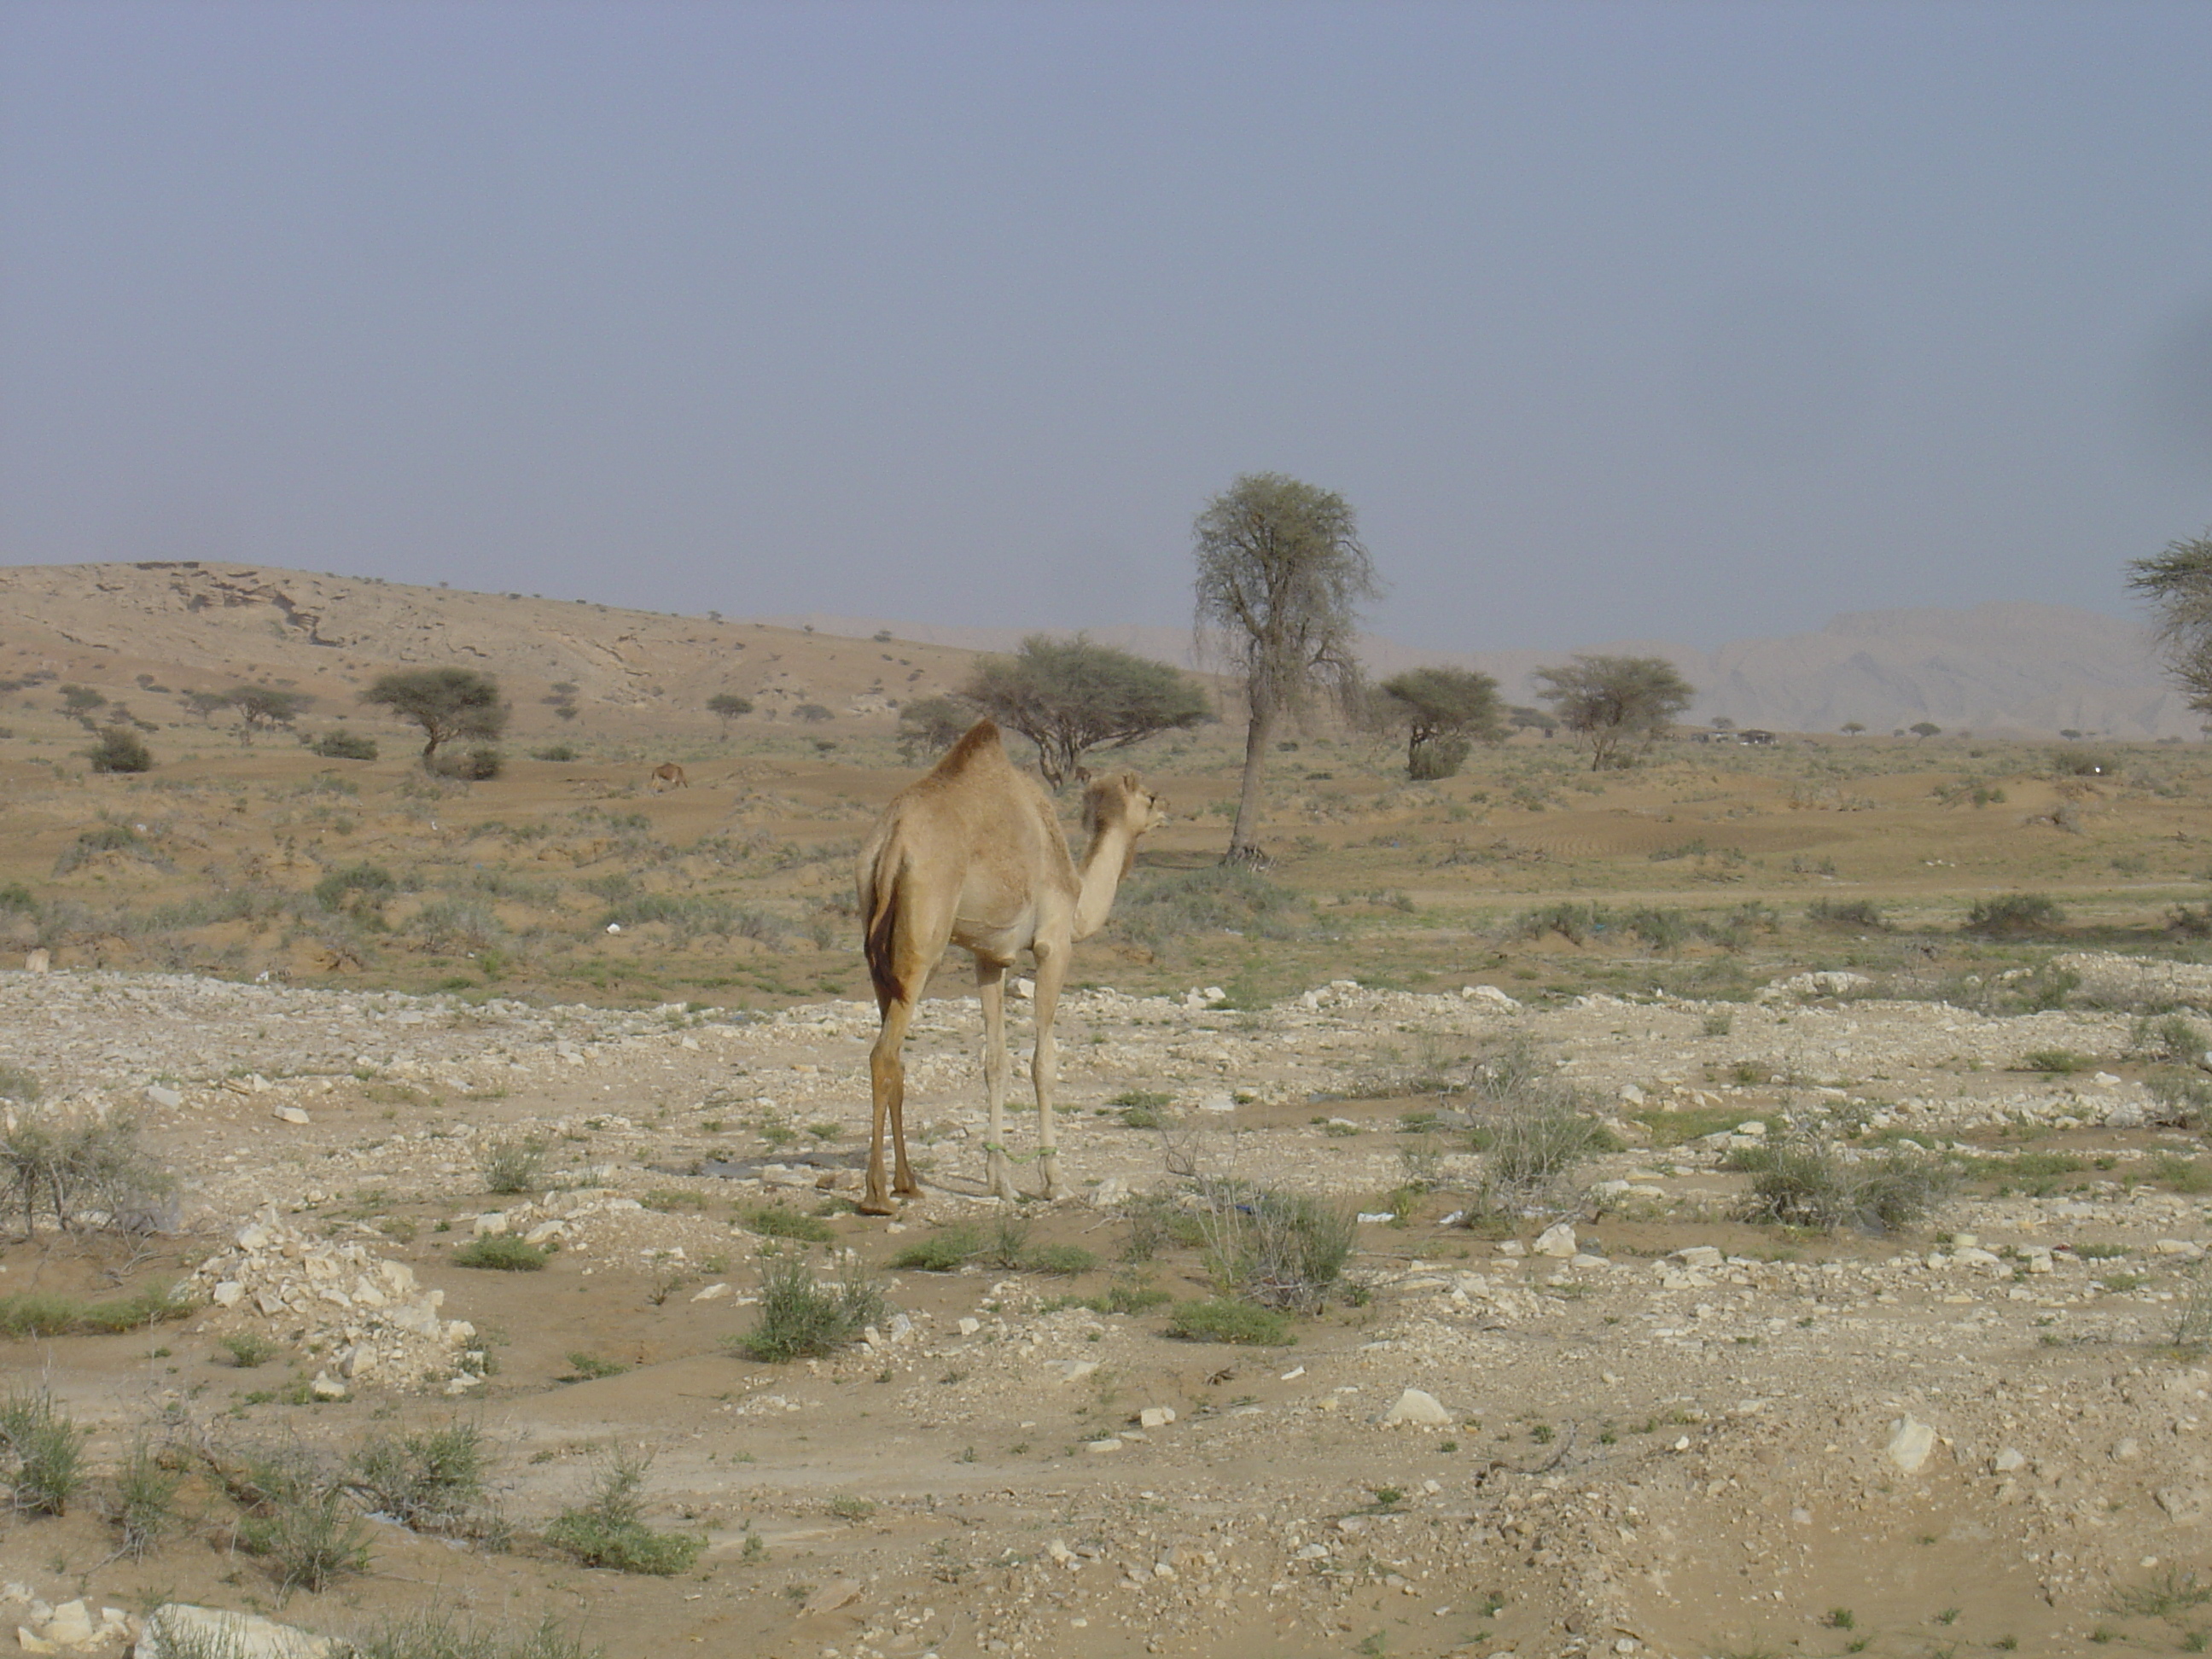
(1281, 572)
(262, 706)
(728, 705)
(1618, 705)
(1444, 712)
(930, 726)
(1069, 696)
(446, 702)
(2179, 584)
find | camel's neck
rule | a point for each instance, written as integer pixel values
(1105, 861)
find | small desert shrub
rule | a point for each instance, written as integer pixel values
(1278, 1249)
(1009, 1241)
(2183, 1097)
(2181, 1175)
(590, 1368)
(512, 1166)
(2063, 1062)
(1862, 914)
(1128, 1296)
(249, 1349)
(1663, 930)
(430, 1481)
(1570, 922)
(558, 752)
(781, 1221)
(447, 925)
(1154, 908)
(118, 749)
(48, 1313)
(944, 1251)
(83, 1168)
(1530, 1126)
(1227, 1319)
(18, 1083)
(371, 882)
(498, 1251)
(802, 1319)
(1060, 1261)
(1804, 1181)
(2009, 914)
(474, 764)
(434, 1635)
(300, 1518)
(2173, 1037)
(2192, 1332)
(1157, 1221)
(44, 1453)
(145, 1503)
(345, 745)
(609, 1529)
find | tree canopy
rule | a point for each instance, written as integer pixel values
(728, 705)
(928, 727)
(1443, 712)
(1618, 705)
(262, 706)
(1069, 696)
(1281, 574)
(2179, 584)
(446, 702)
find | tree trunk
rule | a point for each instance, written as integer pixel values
(1242, 849)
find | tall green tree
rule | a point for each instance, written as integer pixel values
(2179, 584)
(1070, 696)
(1618, 705)
(727, 706)
(1443, 712)
(446, 702)
(1281, 574)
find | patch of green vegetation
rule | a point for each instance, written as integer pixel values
(803, 1319)
(781, 1221)
(1231, 1319)
(503, 1252)
(609, 1529)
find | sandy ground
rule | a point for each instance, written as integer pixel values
(1686, 1436)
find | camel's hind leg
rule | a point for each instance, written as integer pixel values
(991, 990)
(887, 1087)
(1044, 1063)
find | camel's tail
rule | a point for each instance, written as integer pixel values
(879, 906)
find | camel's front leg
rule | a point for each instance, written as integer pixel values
(991, 988)
(1044, 1063)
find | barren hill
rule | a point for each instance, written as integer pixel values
(2001, 668)
(143, 630)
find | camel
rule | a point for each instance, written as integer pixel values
(672, 775)
(973, 855)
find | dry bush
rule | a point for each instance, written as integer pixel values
(87, 1171)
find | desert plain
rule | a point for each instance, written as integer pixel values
(373, 1024)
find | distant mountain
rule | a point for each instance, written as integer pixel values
(2000, 669)
(2006, 668)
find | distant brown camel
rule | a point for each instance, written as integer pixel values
(973, 855)
(670, 775)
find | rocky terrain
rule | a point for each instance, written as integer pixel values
(1632, 1423)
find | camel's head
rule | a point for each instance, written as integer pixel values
(1123, 803)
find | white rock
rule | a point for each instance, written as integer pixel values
(1512, 1247)
(1910, 1441)
(969, 1326)
(2181, 1247)
(161, 1096)
(1558, 1240)
(1376, 1217)
(1699, 1257)
(1417, 1406)
(1755, 1127)
(832, 1595)
(1632, 1095)
(177, 1630)
(1489, 993)
(491, 1224)
(1102, 1446)
(70, 1625)
(290, 1115)
(1156, 1417)
(36, 962)
(712, 1293)
(326, 1387)
(1108, 1192)
(227, 1293)
(545, 1231)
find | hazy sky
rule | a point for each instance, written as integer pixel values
(1660, 319)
